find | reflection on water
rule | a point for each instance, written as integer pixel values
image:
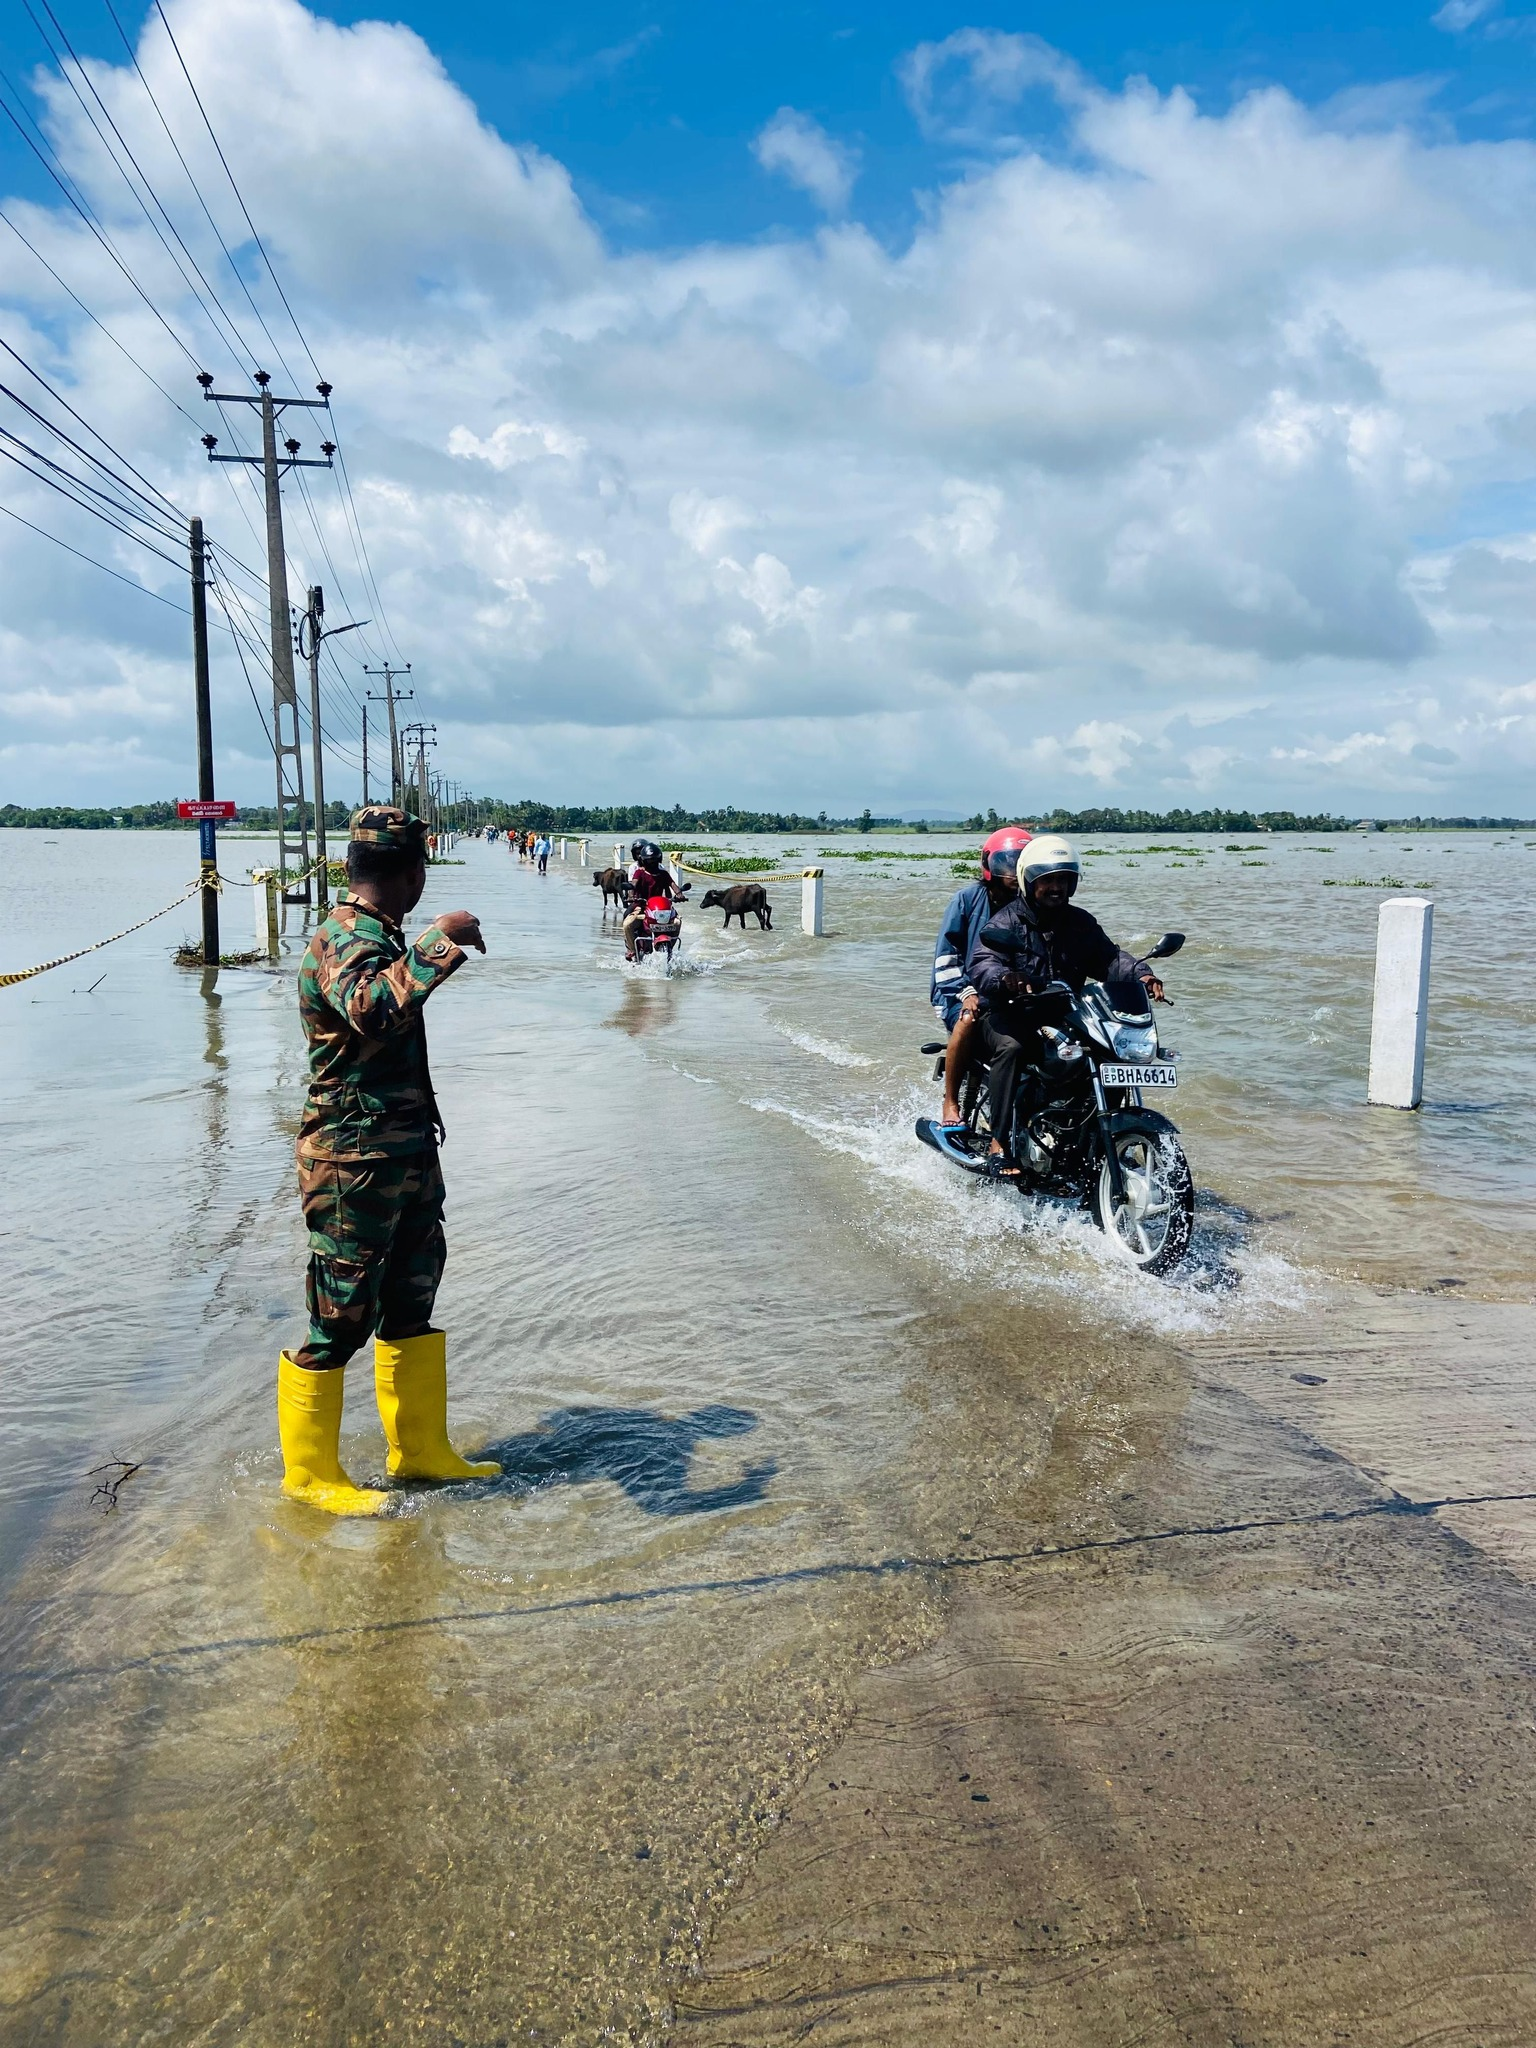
(422, 1779)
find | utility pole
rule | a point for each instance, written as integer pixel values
(391, 696)
(206, 830)
(426, 736)
(311, 627)
(285, 695)
(365, 756)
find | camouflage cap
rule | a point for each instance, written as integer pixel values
(386, 825)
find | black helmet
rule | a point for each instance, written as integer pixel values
(647, 853)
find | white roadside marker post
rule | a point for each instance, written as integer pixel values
(582, 852)
(264, 889)
(1400, 1009)
(562, 849)
(618, 855)
(810, 902)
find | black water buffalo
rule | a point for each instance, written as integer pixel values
(738, 901)
(614, 883)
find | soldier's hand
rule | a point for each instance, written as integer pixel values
(462, 926)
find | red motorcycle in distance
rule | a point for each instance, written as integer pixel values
(661, 932)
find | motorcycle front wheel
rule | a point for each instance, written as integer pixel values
(1153, 1225)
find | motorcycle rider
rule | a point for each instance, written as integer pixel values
(647, 878)
(956, 1002)
(1040, 937)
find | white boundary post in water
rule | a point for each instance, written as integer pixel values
(562, 849)
(810, 902)
(618, 855)
(264, 889)
(1401, 1006)
(581, 853)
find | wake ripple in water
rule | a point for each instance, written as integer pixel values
(989, 1234)
(823, 1048)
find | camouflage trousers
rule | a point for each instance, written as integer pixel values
(376, 1251)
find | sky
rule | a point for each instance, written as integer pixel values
(812, 408)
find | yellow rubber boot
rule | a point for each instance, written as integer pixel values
(410, 1377)
(309, 1429)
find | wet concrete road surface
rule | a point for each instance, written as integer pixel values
(1273, 1786)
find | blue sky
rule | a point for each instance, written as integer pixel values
(916, 407)
(651, 106)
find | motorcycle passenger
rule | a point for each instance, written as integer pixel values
(1041, 936)
(647, 878)
(956, 1002)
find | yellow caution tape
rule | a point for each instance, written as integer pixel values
(26, 974)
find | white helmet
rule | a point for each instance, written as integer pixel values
(1049, 854)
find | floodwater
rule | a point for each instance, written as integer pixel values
(487, 1770)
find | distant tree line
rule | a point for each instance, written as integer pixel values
(157, 817)
(583, 818)
(1233, 821)
(579, 818)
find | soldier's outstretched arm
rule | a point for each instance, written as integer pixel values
(376, 994)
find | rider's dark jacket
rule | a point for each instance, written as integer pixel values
(1073, 948)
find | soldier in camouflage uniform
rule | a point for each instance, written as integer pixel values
(368, 1174)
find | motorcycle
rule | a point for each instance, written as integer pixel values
(1080, 1127)
(661, 933)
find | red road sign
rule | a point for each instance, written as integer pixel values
(210, 807)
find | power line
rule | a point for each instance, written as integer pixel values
(217, 312)
(197, 190)
(255, 237)
(85, 213)
(121, 347)
(142, 588)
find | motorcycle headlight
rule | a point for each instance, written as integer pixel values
(1134, 1041)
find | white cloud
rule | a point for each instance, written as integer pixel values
(802, 151)
(1113, 481)
(1458, 15)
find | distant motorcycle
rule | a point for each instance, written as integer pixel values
(661, 933)
(1080, 1128)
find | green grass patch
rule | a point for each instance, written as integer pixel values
(733, 864)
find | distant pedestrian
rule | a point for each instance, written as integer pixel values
(542, 850)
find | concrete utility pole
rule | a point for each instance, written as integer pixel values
(391, 697)
(426, 736)
(208, 848)
(310, 627)
(365, 755)
(285, 695)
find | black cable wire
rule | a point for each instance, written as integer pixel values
(79, 483)
(217, 312)
(7, 455)
(142, 588)
(217, 586)
(90, 219)
(255, 237)
(59, 399)
(359, 544)
(197, 190)
(121, 347)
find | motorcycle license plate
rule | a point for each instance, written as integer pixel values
(1155, 1074)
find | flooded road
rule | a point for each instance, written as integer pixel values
(500, 1767)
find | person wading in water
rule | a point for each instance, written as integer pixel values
(369, 1178)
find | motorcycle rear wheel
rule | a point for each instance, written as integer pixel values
(1153, 1226)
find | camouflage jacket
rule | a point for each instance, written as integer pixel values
(361, 991)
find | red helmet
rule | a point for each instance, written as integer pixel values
(1007, 839)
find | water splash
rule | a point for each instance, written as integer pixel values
(988, 1235)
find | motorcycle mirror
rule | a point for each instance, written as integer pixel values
(1167, 946)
